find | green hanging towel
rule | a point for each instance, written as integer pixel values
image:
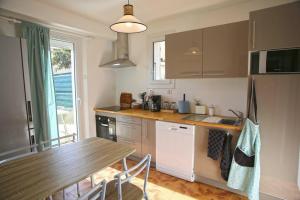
(41, 81)
(245, 167)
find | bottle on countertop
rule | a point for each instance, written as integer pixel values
(211, 110)
(199, 109)
(183, 106)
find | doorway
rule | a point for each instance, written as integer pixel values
(63, 67)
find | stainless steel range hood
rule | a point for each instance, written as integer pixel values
(122, 59)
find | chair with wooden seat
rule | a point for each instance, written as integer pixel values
(96, 193)
(121, 187)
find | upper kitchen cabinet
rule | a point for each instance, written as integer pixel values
(225, 50)
(184, 55)
(276, 27)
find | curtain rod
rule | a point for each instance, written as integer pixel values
(51, 27)
(9, 19)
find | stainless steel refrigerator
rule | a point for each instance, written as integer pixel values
(16, 127)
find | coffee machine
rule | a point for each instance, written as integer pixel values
(155, 103)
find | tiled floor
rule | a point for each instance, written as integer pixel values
(160, 187)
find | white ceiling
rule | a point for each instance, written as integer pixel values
(108, 11)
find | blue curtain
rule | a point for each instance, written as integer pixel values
(41, 81)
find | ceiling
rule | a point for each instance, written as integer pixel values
(108, 11)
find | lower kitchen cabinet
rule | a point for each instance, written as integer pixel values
(206, 167)
(138, 133)
(148, 139)
(130, 133)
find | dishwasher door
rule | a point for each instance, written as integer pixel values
(175, 148)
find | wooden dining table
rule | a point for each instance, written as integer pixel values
(42, 174)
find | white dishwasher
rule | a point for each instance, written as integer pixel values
(175, 148)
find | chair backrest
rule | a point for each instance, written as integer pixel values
(125, 176)
(57, 142)
(96, 193)
(18, 153)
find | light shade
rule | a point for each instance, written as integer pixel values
(128, 23)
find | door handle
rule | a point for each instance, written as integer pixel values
(106, 125)
(29, 111)
(182, 127)
(253, 34)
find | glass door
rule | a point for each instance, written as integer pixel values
(63, 66)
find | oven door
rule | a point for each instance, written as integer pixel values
(106, 127)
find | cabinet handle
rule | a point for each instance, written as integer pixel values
(198, 73)
(121, 139)
(190, 74)
(127, 125)
(213, 73)
(253, 34)
(182, 127)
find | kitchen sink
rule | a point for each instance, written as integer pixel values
(218, 120)
(234, 122)
(195, 117)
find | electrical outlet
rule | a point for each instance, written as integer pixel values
(169, 91)
(151, 92)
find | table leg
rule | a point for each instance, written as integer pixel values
(92, 181)
(125, 166)
(78, 191)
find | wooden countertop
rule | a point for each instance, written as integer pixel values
(169, 117)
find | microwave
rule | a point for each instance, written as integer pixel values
(279, 61)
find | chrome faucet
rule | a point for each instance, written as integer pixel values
(238, 114)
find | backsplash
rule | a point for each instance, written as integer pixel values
(224, 94)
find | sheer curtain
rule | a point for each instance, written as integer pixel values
(41, 81)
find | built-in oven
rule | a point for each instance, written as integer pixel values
(106, 127)
(275, 61)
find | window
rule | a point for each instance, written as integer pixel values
(63, 67)
(159, 60)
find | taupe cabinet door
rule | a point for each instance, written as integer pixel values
(276, 27)
(184, 55)
(206, 167)
(225, 50)
(278, 98)
(149, 138)
(129, 132)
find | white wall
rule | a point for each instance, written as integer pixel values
(100, 81)
(8, 29)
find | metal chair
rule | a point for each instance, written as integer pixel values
(121, 187)
(49, 144)
(96, 193)
(18, 153)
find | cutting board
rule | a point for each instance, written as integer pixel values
(125, 100)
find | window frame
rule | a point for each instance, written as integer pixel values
(153, 63)
(166, 83)
(60, 38)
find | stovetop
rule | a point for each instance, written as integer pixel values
(113, 108)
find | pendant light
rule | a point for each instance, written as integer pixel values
(128, 23)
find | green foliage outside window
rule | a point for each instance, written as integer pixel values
(61, 59)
